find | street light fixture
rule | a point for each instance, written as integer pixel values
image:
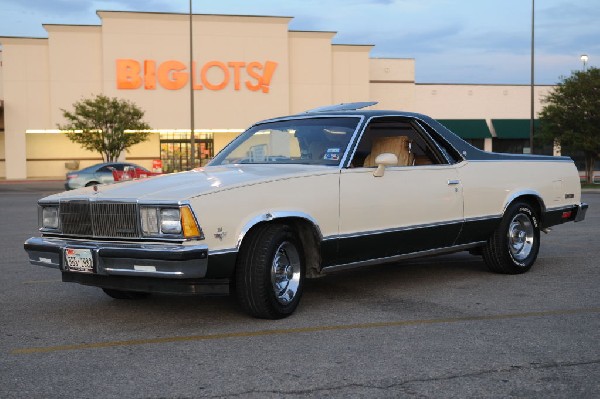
(584, 58)
(192, 164)
(532, 109)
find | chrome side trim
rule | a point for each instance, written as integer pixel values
(438, 251)
(223, 251)
(269, 216)
(129, 272)
(482, 218)
(396, 229)
(561, 208)
(558, 159)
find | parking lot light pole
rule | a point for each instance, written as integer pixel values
(532, 78)
(192, 138)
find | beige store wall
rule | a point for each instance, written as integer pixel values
(478, 101)
(1, 80)
(162, 37)
(310, 70)
(48, 153)
(144, 153)
(221, 139)
(392, 83)
(350, 73)
(26, 97)
(75, 67)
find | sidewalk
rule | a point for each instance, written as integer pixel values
(47, 185)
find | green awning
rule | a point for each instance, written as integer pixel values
(514, 128)
(468, 128)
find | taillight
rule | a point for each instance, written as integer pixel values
(69, 177)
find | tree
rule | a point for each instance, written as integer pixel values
(99, 124)
(571, 115)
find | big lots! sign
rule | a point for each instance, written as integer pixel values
(174, 75)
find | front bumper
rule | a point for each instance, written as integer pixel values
(162, 260)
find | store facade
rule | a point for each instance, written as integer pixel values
(244, 68)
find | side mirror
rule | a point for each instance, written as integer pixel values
(383, 160)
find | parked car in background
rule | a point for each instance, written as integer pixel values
(302, 196)
(103, 173)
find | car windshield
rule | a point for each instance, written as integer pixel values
(317, 141)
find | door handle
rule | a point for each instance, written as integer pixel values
(453, 182)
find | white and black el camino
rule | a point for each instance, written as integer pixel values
(300, 196)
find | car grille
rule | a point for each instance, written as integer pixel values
(99, 219)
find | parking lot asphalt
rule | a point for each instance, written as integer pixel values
(433, 327)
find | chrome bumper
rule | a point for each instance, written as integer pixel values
(580, 212)
(173, 261)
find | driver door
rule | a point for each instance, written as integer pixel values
(415, 206)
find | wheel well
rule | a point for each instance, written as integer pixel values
(534, 201)
(309, 236)
(91, 183)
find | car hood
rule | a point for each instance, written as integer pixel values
(185, 185)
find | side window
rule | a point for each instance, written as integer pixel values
(105, 169)
(399, 137)
(449, 152)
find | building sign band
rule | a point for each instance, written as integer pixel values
(212, 75)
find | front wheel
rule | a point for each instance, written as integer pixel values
(514, 246)
(270, 272)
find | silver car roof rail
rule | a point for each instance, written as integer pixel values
(342, 107)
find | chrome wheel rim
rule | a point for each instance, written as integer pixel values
(285, 272)
(521, 237)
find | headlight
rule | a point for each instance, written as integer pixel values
(157, 221)
(170, 221)
(149, 220)
(49, 217)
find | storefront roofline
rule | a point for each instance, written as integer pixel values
(69, 28)
(21, 40)
(352, 47)
(484, 84)
(312, 34)
(58, 131)
(145, 14)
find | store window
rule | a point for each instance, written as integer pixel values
(510, 146)
(175, 151)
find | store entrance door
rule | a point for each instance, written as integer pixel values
(175, 151)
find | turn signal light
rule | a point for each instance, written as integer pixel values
(188, 222)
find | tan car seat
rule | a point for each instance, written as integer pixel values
(397, 145)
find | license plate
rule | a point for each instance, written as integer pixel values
(79, 260)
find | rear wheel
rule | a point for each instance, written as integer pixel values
(118, 294)
(270, 272)
(514, 246)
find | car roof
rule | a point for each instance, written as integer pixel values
(356, 109)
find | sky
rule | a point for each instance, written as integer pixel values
(452, 41)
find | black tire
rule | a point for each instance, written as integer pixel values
(514, 246)
(118, 294)
(270, 272)
(92, 183)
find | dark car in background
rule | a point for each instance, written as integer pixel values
(103, 173)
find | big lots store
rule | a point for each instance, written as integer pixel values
(242, 69)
